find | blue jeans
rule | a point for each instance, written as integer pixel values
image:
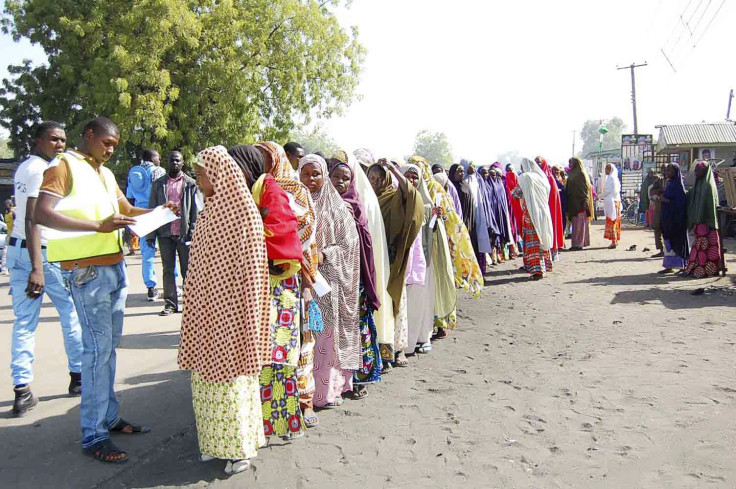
(99, 294)
(148, 253)
(27, 311)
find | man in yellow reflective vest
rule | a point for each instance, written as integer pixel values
(86, 212)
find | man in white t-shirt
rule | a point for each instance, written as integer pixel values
(31, 275)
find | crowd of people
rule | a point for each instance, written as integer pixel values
(684, 221)
(306, 278)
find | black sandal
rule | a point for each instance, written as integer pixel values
(127, 428)
(105, 451)
(358, 393)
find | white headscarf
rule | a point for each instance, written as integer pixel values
(535, 187)
(384, 317)
(442, 179)
(612, 193)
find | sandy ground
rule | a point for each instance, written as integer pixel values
(603, 375)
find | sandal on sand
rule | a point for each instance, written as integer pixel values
(424, 348)
(441, 334)
(127, 428)
(537, 276)
(339, 401)
(310, 420)
(105, 451)
(665, 271)
(358, 393)
(237, 466)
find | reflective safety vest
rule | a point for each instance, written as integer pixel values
(90, 199)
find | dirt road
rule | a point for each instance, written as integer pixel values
(603, 375)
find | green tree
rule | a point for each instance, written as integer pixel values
(179, 73)
(611, 140)
(433, 146)
(315, 139)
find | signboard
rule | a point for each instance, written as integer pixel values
(637, 152)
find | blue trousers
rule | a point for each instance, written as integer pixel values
(99, 295)
(27, 311)
(148, 253)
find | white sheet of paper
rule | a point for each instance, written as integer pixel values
(321, 286)
(151, 221)
(437, 202)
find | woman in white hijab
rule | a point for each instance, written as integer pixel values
(612, 205)
(383, 317)
(537, 230)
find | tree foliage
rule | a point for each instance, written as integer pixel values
(434, 146)
(611, 140)
(179, 73)
(315, 139)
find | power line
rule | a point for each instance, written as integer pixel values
(709, 23)
(701, 17)
(668, 60)
(686, 24)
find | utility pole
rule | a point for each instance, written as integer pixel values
(728, 112)
(573, 140)
(632, 67)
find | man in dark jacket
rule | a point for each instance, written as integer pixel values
(174, 238)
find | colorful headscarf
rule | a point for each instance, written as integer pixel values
(300, 202)
(225, 331)
(279, 223)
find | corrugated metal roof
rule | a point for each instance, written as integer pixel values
(697, 134)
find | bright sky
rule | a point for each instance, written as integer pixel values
(499, 76)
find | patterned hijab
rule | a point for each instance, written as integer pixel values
(367, 263)
(337, 238)
(225, 329)
(300, 201)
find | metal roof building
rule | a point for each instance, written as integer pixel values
(677, 137)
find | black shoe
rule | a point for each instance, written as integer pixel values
(658, 255)
(168, 311)
(75, 385)
(24, 401)
(152, 294)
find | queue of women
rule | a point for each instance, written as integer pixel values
(308, 284)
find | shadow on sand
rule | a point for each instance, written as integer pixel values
(168, 455)
(675, 298)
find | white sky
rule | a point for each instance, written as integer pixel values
(521, 75)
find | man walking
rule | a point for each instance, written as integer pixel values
(80, 201)
(140, 182)
(31, 275)
(174, 238)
